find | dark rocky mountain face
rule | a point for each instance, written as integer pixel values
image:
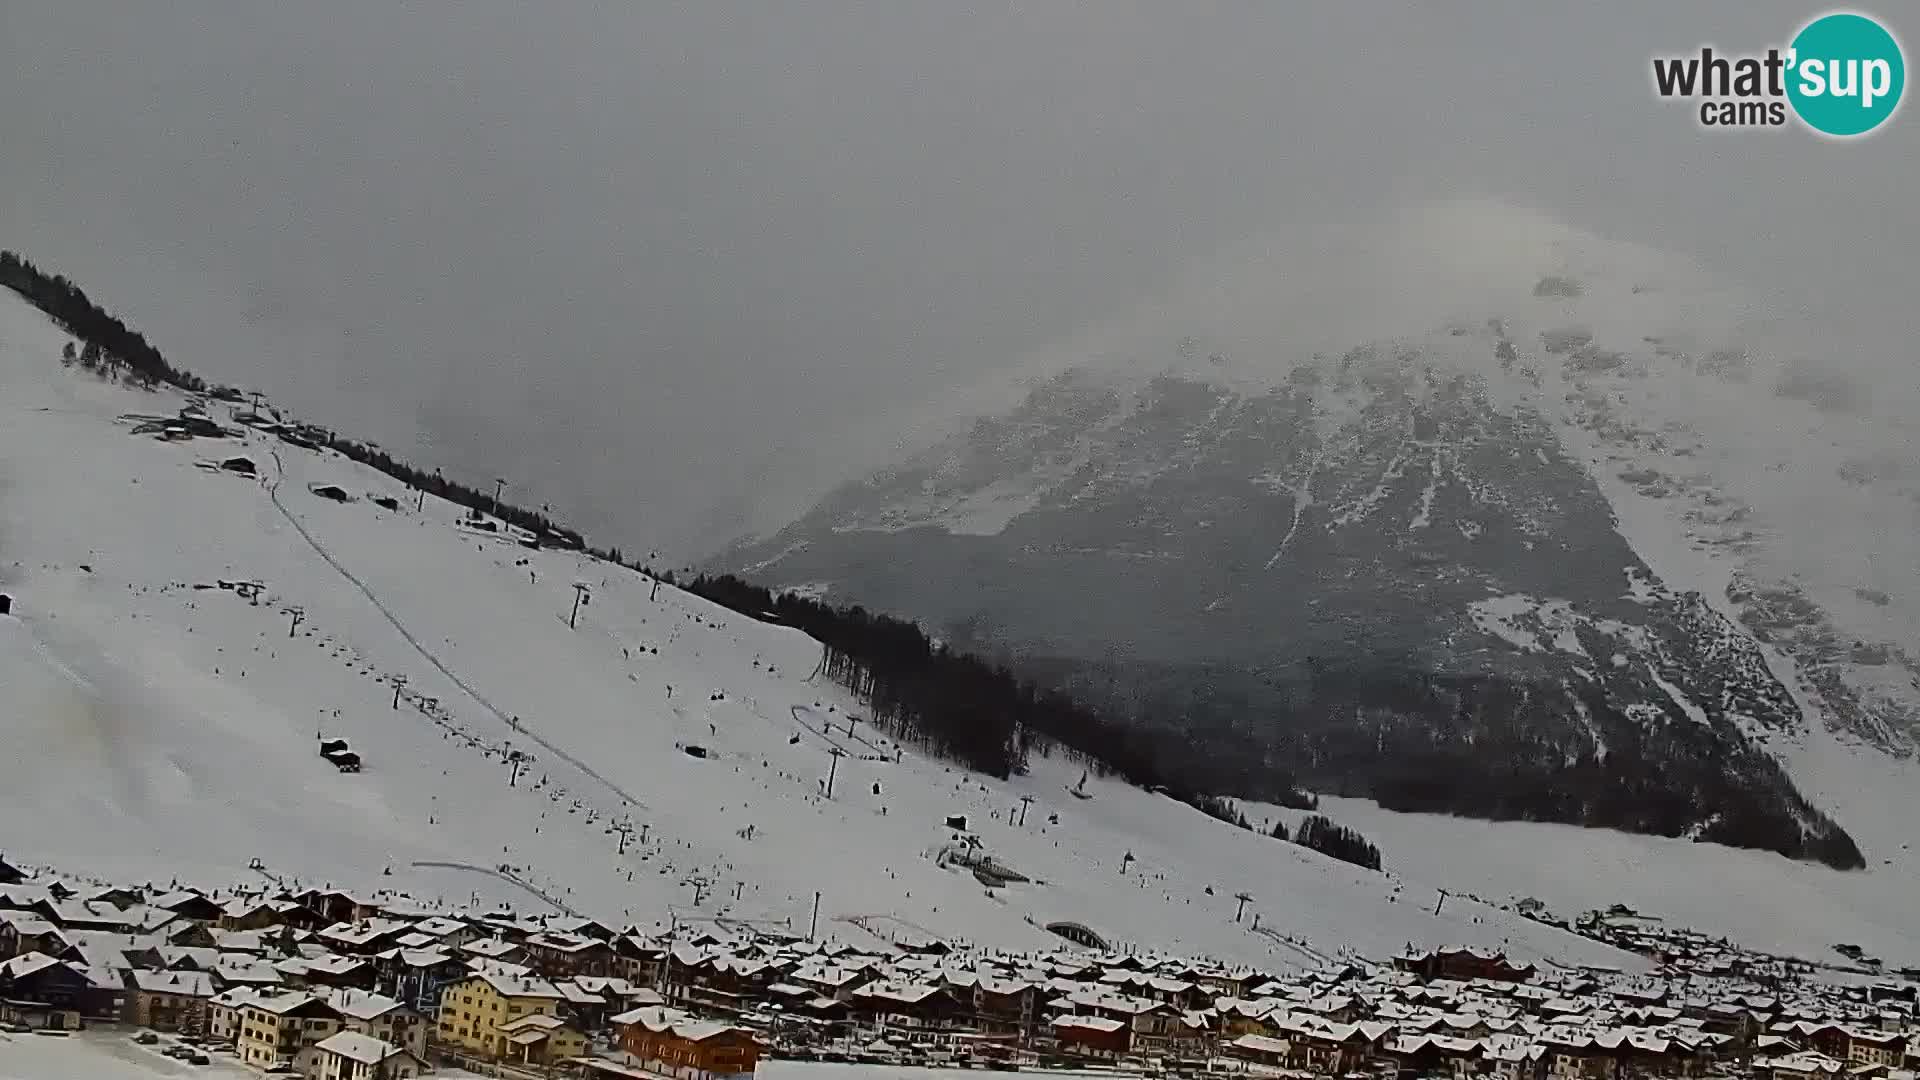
(1382, 576)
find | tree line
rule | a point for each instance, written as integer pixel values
(109, 346)
(1498, 748)
(108, 339)
(959, 706)
(1317, 832)
(950, 703)
(1323, 835)
(1480, 745)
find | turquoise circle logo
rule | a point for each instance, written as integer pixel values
(1847, 74)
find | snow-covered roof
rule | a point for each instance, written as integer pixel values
(362, 1004)
(335, 964)
(185, 983)
(363, 933)
(1089, 1023)
(285, 1002)
(652, 1017)
(421, 957)
(614, 985)
(518, 985)
(662, 1019)
(1806, 1061)
(527, 1037)
(439, 926)
(575, 994)
(237, 997)
(563, 943)
(1262, 1044)
(356, 1046)
(27, 924)
(491, 948)
(27, 964)
(248, 941)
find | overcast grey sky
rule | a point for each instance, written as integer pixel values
(664, 264)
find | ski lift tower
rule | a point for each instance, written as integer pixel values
(833, 767)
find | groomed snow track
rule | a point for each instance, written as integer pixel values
(513, 724)
(501, 875)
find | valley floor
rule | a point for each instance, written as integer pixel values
(1758, 899)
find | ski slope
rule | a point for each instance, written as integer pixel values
(1759, 899)
(161, 727)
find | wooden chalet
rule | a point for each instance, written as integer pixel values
(912, 1008)
(341, 971)
(1464, 964)
(669, 1041)
(94, 915)
(189, 904)
(722, 982)
(417, 976)
(580, 926)
(365, 937)
(638, 960)
(1260, 1050)
(248, 913)
(353, 1055)
(559, 956)
(999, 1006)
(39, 980)
(335, 905)
(1100, 1037)
(169, 1000)
(23, 932)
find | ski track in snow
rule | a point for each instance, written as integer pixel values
(511, 879)
(519, 726)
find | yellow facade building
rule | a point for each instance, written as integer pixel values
(473, 1010)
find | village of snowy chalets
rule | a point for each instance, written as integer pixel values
(320, 767)
(321, 982)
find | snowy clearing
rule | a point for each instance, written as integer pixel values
(1758, 899)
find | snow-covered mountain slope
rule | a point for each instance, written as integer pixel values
(1540, 525)
(162, 726)
(1455, 368)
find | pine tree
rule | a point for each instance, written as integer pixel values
(1324, 836)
